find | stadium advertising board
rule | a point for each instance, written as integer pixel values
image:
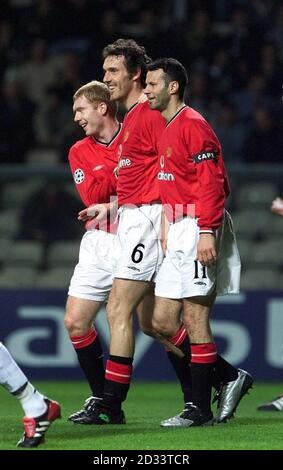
(248, 330)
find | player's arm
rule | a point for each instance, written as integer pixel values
(205, 151)
(92, 190)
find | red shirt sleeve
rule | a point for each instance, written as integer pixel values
(92, 188)
(206, 156)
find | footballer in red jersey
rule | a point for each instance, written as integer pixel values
(201, 259)
(124, 73)
(92, 161)
(139, 220)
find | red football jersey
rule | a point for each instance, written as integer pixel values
(92, 164)
(192, 170)
(138, 156)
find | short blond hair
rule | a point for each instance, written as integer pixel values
(96, 92)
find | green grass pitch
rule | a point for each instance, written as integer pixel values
(146, 406)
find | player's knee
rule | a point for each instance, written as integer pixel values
(68, 322)
(75, 326)
(162, 327)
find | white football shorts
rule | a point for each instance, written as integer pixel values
(182, 276)
(93, 275)
(140, 249)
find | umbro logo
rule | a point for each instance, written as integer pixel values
(133, 268)
(98, 167)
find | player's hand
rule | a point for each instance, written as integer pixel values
(98, 212)
(206, 249)
(277, 206)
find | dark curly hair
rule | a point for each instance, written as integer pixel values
(135, 56)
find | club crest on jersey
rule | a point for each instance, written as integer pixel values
(79, 176)
(169, 151)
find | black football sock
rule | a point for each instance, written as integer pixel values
(90, 356)
(182, 366)
(117, 382)
(202, 365)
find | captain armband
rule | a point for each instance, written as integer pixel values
(204, 156)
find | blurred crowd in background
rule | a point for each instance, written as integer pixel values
(233, 51)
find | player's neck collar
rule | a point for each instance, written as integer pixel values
(176, 114)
